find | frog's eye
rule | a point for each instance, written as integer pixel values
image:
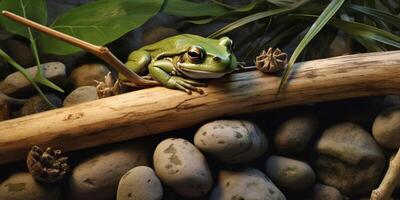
(195, 54)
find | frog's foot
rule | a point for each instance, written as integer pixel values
(185, 85)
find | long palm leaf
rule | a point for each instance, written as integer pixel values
(325, 16)
(254, 17)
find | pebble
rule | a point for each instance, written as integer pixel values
(289, 173)
(325, 192)
(20, 52)
(246, 184)
(86, 75)
(389, 101)
(182, 167)
(16, 85)
(22, 186)
(140, 183)
(5, 111)
(386, 128)
(36, 104)
(97, 177)
(232, 141)
(341, 45)
(349, 159)
(81, 95)
(293, 135)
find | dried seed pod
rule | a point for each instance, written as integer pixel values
(47, 166)
(108, 87)
(271, 61)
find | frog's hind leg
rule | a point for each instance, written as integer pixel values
(161, 70)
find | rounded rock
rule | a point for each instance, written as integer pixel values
(97, 177)
(245, 184)
(16, 85)
(140, 183)
(5, 110)
(81, 95)
(289, 173)
(37, 104)
(22, 186)
(232, 141)
(86, 75)
(389, 101)
(386, 128)
(181, 166)
(20, 51)
(325, 192)
(349, 159)
(293, 135)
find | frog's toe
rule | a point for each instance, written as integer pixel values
(195, 83)
(181, 87)
(191, 87)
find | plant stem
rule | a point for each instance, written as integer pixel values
(26, 74)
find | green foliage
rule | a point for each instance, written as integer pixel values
(26, 74)
(99, 22)
(35, 10)
(184, 8)
(374, 24)
(323, 18)
(254, 17)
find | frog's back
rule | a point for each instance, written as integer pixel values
(177, 43)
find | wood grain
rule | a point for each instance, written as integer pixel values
(156, 110)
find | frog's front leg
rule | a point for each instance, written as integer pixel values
(163, 71)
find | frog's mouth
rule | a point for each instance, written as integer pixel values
(197, 74)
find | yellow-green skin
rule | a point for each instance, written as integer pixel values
(168, 62)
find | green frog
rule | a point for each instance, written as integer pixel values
(176, 61)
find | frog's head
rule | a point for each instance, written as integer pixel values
(208, 58)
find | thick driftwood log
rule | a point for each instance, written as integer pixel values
(156, 110)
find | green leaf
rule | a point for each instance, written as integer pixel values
(223, 4)
(254, 17)
(325, 16)
(282, 2)
(186, 8)
(236, 11)
(387, 17)
(35, 10)
(367, 32)
(370, 45)
(99, 22)
(361, 30)
(46, 82)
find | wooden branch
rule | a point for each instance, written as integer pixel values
(102, 52)
(390, 181)
(156, 110)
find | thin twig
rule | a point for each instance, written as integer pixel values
(390, 181)
(100, 51)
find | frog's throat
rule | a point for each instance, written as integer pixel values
(197, 74)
